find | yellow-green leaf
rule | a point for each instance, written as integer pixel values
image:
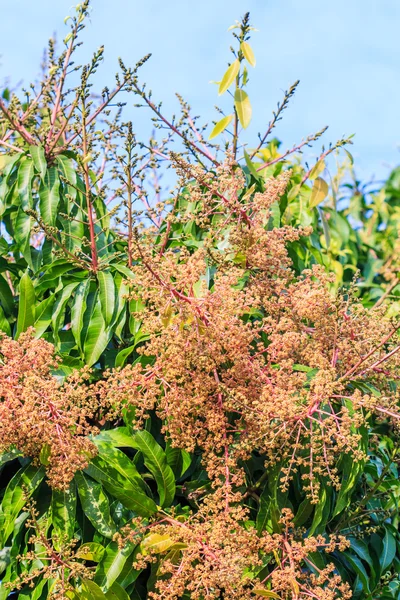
(243, 108)
(220, 126)
(248, 53)
(229, 77)
(293, 192)
(91, 551)
(265, 593)
(319, 192)
(156, 543)
(317, 169)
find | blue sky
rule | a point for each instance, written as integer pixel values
(345, 52)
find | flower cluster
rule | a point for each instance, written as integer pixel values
(40, 416)
(261, 360)
(218, 554)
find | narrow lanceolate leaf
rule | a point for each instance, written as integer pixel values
(107, 295)
(125, 490)
(95, 504)
(21, 486)
(78, 310)
(243, 108)
(319, 192)
(57, 320)
(229, 77)
(22, 234)
(388, 552)
(97, 336)
(49, 196)
(112, 563)
(248, 53)
(156, 461)
(251, 166)
(43, 315)
(25, 176)
(63, 507)
(119, 461)
(220, 126)
(6, 296)
(26, 306)
(4, 324)
(39, 160)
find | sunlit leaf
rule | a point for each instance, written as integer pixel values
(319, 192)
(243, 108)
(229, 77)
(220, 126)
(248, 53)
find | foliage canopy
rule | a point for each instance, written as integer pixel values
(198, 390)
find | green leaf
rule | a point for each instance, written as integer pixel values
(117, 592)
(263, 511)
(97, 335)
(229, 77)
(92, 591)
(107, 295)
(388, 552)
(57, 319)
(6, 296)
(120, 437)
(243, 107)
(251, 166)
(125, 490)
(220, 126)
(78, 310)
(294, 192)
(43, 315)
(248, 53)
(112, 563)
(4, 324)
(63, 508)
(156, 461)
(22, 234)
(91, 551)
(304, 511)
(21, 487)
(319, 511)
(120, 462)
(359, 568)
(349, 477)
(26, 306)
(39, 160)
(95, 504)
(123, 355)
(319, 192)
(49, 196)
(10, 455)
(25, 176)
